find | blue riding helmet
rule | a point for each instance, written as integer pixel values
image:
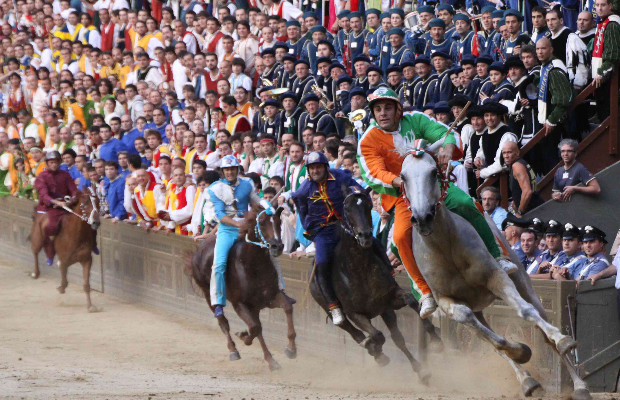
(229, 161)
(316, 157)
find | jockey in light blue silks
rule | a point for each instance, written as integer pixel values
(231, 197)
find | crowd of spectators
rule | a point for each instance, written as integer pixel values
(143, 98)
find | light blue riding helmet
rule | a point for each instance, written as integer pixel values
(229, 161)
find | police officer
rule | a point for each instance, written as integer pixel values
(594, 246)
(319, 201)
(553, 239)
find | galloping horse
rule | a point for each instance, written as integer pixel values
(75, 240)
(363, 282)
(251, 281)
(465, 278)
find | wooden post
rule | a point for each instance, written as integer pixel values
(613, 114)
(503, 189)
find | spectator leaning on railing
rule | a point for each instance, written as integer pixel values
(571, 174)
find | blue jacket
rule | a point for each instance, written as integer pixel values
(129, 138)
(161, 129)
(321, 204)
(588, 266)
(115, 194)
(109, 150)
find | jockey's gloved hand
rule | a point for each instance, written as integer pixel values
(268, 207)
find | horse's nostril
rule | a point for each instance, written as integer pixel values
(414, 220)
(433, 209)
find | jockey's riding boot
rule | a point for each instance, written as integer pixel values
(337, 316)
(219, 311)
(96, 250)
(428, 305)
(289, 298)
(49, 261)
(508, 266)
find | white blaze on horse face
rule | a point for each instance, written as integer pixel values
(359, 202)
(275, 231)
(421, 186)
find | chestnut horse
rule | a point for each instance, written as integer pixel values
(74, 242)
(251, 281)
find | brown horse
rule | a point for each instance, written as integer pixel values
(251, 281)
(75, 240)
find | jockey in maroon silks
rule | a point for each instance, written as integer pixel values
(53, 185)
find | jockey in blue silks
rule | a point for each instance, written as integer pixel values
(231, 197)
(320, 203)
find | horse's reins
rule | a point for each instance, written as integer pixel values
(444, 177)
(259, 234)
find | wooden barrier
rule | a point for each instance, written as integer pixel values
(149, 268)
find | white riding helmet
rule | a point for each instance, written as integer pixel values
(229, 161)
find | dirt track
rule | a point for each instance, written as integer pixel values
(50, 347)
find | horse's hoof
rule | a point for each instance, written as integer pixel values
(382, 360)
(529, 386)
(93, 309)
(290, 353)
(274, 366)
(566, 344)
(61, 289)
(425, 376)
(34, 275)
(581, 394)
(234, 356)
(521, 355)
(436, 345)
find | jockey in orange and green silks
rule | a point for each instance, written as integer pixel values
(380, 163)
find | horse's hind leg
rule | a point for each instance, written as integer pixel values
(463, 314)
(375, 340)
(63, 278)
(580, 389)
(527, 382)
(36, 244)
(389, 317)
(500, 285)
(86, 273)
(282, 301)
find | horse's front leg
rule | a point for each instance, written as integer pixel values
(375, 340)
(86, 265)
(255, 330)
(282, 302)
(463, 314)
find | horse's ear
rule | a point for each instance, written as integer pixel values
(279, 211)
(368, 190)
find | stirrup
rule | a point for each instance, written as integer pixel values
(508, 266)
(428, 305)
(337, 316)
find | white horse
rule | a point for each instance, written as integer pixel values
(465, 278)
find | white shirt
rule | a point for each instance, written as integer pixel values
(289, 11)
(179, 77)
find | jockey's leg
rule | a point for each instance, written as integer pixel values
(226, 236)
(402, 239)
(462, 204)
(51, 229)
(325, 244)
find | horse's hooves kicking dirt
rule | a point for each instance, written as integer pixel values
(425, 376)
(61, 289)
(34, 275)
(581, 394)
(382, 360)
(436, 346)
(522, 354)
(234, 356)
(566, 344)
(529, 386)
(290, 353)
(274, 366)
(93, 309)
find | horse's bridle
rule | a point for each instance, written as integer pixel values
(259, 234)
(345, 222)
(90, 220)
(444, 178)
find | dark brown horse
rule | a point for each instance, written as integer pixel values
(75, 240)
(364, 284)
(251, 281)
